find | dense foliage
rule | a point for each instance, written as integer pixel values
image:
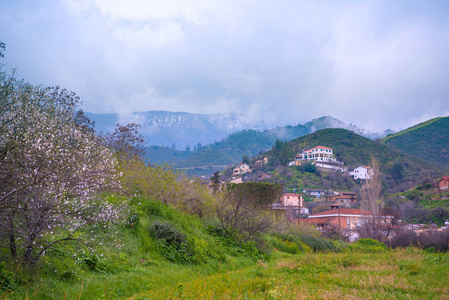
(427, 141)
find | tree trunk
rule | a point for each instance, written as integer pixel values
(12, 237)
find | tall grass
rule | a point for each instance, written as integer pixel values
(128, 262)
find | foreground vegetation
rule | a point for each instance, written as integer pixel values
(360, 272)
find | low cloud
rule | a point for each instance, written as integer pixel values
(375, 64)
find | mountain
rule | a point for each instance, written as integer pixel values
(182, 129)
(250, 142)
(179, 128)
(428, 140)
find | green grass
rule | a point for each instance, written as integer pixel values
(418, 126)
(387, 274)
(428, 141)
(128, 262)
(401, 274)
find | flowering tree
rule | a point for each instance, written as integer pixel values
(126, 142)
(51, 167)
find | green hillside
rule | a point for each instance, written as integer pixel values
(211, 158)
(159, 154)
(350, 148)
(245, 142)
(428, 141)
(354, 150)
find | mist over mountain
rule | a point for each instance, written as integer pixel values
(164, 128)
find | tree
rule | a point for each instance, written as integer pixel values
(397, 170)
(374, 224)
(244, 209)
(126, 142)
(245, 159)
(2, 49)
(51, 168)
(188, 149)
(282, 151)
(215, 181)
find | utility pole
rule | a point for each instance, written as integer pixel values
(339, 224)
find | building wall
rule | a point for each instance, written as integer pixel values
(443, 184)
(361, 173)
(291, 200)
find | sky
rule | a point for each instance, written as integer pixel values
(376, 64)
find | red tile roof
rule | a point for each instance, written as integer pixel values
(321, 147)
(445, 178)
(291, 194)
(317, 220)
(344, 211)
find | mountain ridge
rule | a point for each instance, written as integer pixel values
(182, 129)
(428, 140)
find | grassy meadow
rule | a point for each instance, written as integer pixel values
(130, 262)
(392, 274)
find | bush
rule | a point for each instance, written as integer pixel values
(318, 244)
(173, 244)
(95, 263)
(166, 231)
(436, 240)
(368, 246)
(7, 279)
(429, 240)
(284, 245)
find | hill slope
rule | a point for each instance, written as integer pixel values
(354, 150)
(252, 142)
(428, 141)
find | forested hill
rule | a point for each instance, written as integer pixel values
(255, 141)
(355, 150)
(245, 142)
(428, 140)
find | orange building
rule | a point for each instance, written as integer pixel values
(443, 183)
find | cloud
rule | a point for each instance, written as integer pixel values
(376, 64)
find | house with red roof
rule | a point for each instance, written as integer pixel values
(316, 154)
(348, 219)
(443, 183)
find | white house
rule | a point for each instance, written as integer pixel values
(316, 154)
(241, 169)
(315, 192)
(362, 172)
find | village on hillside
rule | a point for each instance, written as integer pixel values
(337, 212)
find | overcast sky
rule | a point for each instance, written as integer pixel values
(376, 64)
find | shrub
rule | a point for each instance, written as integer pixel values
(429, 240)
(318, 244)
(284, 245)
(167, 232)
(95, 263)
(7, 279)
(436, 240)
(368, 246)
(172, 243)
